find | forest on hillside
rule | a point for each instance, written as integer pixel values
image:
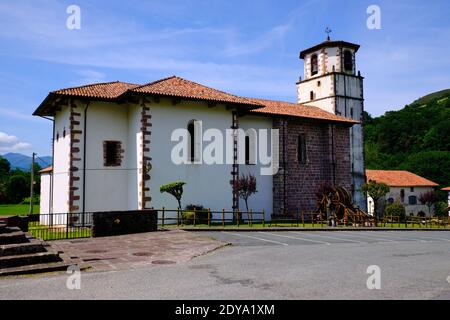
(415, 138)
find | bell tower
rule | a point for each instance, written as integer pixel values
(331, 83)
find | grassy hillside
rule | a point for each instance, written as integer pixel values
(416, 138)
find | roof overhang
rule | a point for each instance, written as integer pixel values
(329, 44)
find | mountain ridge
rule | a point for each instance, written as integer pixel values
(23, 162)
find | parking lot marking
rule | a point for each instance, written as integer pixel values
(431, 238)
(386, 238)
(296, 238)
(399, 237)
(347, 234)
(260, 239)
(349, 240)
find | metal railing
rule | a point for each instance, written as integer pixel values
(58, 226)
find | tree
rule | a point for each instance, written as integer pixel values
(428, 198)
(245, 186)
(441, 209)
(175, 189)
(17, 188)
(376, 191)
(5, 167)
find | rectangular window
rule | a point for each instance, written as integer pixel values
(412, 200)
(412, 189)
(301, 151)
(112, 153)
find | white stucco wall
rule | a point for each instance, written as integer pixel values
(263, 199)
(61, 162)
(132, 161)
(206, 185)
(106, 187)
(44, 204)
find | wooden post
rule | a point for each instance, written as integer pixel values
(238, 217)
(178, 217)
(251, 217)
(209, 217)
(195, 214)
(313, 220)
(263, 218)
(303, 218)
(162, 218)
(223, 218)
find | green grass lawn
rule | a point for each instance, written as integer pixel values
(306, 225)
(58, 233)
(15, 209)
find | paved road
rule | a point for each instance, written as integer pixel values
(273, 265)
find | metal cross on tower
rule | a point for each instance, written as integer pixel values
(328, 31)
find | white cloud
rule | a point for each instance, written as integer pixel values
(9, 143)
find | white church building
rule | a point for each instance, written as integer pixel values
(114, 143)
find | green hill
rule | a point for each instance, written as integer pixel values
(415, 138)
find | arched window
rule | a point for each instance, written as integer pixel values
(191, 144)
(247, 150)
(348, 61)
(314, 65)
(301, 149)
(250, 146)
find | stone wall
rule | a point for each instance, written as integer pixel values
(296, 183)
(124, 222)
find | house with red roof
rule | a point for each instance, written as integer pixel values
(116, 143)
(405, 187)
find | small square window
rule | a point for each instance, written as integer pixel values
(112, 153)
(412, 189)
(318, 83)
(412, 200)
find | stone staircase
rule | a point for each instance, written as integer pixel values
(21, 253)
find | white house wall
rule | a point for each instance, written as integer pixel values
(106, 187)
(131, 155)
(395, 193)
(207, 185)
(263, 199)
(61, 162)
(44, 205)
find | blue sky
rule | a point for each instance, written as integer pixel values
(248, 48)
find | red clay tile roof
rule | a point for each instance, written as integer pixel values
(108, 90)
(47, 169)
(446, 189)
(182, 88)
(397, 178)
(179, 87)
(298, 110)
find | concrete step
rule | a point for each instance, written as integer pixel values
(37, 268)
(9, 230)
(34, 246)
(28, 259)
(13, 237)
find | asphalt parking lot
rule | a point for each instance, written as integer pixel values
(297, 238)
(272, 265)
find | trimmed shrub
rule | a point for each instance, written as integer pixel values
(201, 214)
(395, 209)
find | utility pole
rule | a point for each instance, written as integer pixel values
(32, 185)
